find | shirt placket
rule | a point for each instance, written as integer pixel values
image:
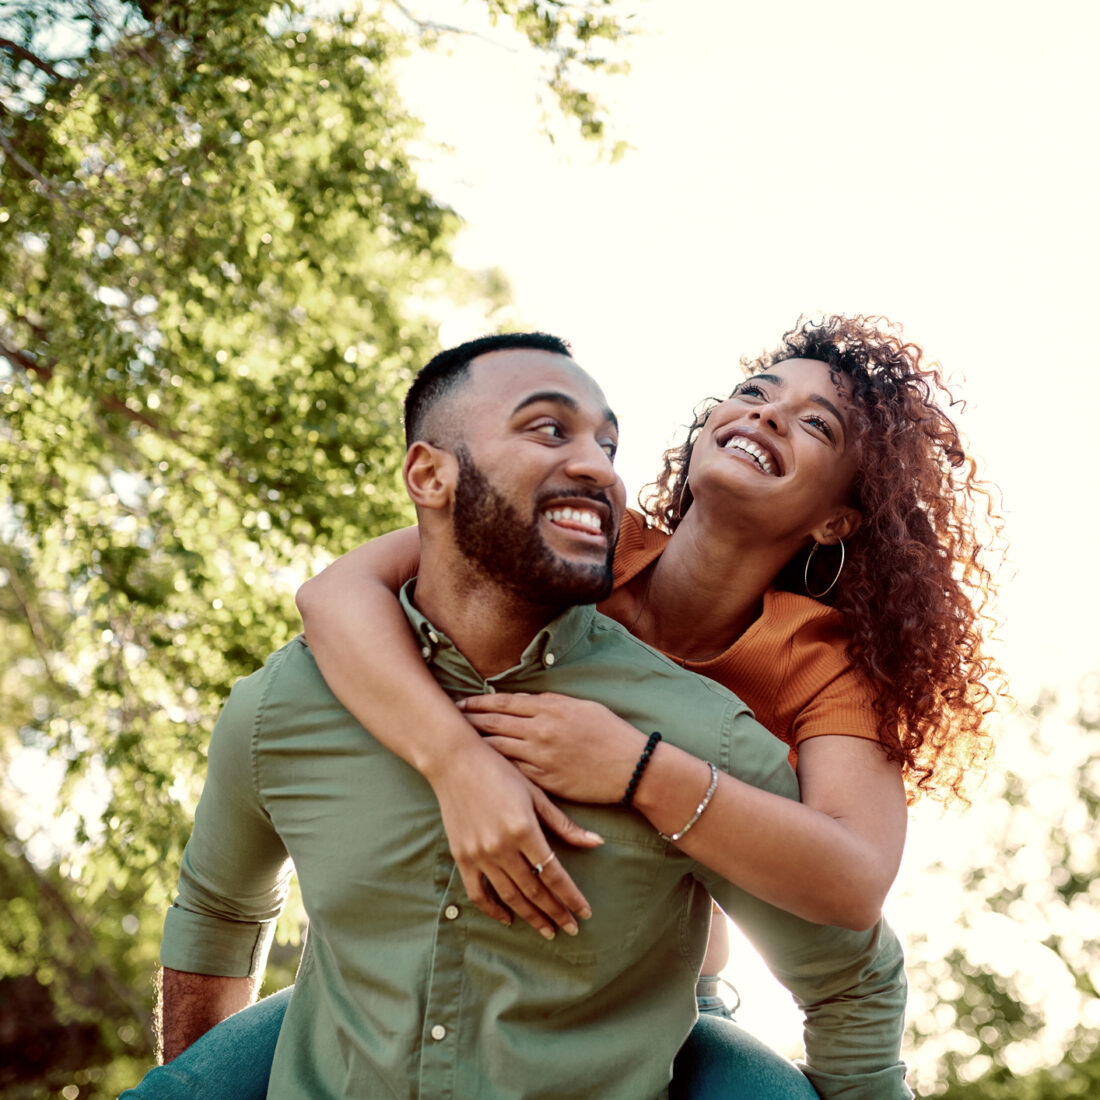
(442, 1026)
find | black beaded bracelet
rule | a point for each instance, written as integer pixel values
(640, 767)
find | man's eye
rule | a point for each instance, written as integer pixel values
(549, 428)
(610, 449)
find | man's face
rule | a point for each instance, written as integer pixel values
(537, 503)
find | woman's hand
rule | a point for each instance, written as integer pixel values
(573, 748)
(492, 817)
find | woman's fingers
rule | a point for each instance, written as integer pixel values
(519, 703)
(504, 725)
(515, 749)
(535, 900)
(554, 817)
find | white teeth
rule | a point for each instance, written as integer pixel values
(576, 515)
(757, 454)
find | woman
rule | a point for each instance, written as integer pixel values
(875, 677)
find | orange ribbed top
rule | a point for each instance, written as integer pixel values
(790, 666)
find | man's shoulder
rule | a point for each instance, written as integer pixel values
(614, 643)
(289, 676)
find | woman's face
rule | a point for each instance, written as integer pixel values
(782, 447)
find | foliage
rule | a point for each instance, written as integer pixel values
(219, 271)
(1019, 978)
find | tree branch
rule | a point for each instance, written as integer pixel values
(23, 54)
(30, 170)
(107, 401)
(423, 25)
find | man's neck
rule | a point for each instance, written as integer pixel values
(489, 624)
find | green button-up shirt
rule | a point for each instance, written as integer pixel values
(407, 990)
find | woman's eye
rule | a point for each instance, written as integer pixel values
(822, 425)
(749, 389)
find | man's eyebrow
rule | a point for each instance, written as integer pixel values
(555, 397)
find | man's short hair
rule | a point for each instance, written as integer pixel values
(447, 370)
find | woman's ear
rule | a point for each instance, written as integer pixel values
(430, 474)
(842, 524)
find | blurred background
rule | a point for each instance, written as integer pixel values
(231, 232)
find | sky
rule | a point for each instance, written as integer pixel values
(937, 163)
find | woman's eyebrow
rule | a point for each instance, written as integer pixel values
(774, 378)
(816, 398)
(825, 403)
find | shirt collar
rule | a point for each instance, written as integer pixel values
(551, 645)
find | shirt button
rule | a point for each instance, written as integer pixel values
(451, 912)
(548, 659)
(425, 651)
(434, 637)
(439, 1032)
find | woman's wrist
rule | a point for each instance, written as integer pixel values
(453, 742)
(671, 788)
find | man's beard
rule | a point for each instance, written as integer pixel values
(506, 547)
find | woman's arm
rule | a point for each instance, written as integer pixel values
(830, 859)
(369, 658)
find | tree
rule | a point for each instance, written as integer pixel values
(219, 272)
(1011, 1007)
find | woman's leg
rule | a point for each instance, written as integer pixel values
(722, 1061)
(230, 1062)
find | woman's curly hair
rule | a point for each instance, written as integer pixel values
(915, 591)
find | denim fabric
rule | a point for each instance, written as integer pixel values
(230, 1062)
(722, 1060)
(233, 1061)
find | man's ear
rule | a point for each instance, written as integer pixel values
(430, 473)
(842, 524)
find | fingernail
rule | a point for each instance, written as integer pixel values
(585, 913)
(547, 933)
(594, 836)
(570, 929)
(506, 921)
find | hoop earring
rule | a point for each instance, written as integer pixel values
(806, 572)
(680, 500)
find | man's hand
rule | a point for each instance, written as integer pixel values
(191, 1004)
(491, 814)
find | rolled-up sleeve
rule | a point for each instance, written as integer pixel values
(850, 986)
(235, 870)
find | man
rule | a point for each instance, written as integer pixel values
(406, 989)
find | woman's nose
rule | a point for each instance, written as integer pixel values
(772, 416)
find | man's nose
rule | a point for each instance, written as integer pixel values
(589, 461)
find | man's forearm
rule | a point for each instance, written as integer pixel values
(191, 1004)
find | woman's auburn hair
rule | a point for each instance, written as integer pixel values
(914, 591)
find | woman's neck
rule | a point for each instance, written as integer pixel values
(704, 591)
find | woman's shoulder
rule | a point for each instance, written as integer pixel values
(637, 546)
(789, 611)
(821, 690)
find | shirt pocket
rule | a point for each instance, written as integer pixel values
(635, 884)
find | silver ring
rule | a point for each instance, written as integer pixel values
(541, 866)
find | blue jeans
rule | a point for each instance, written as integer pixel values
(719, 1061)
